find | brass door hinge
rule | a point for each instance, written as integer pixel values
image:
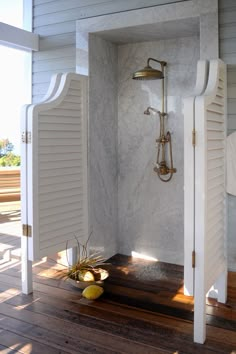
(193, 259)
(26, 137)
(194, 137)
(26, 230)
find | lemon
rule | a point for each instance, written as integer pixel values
(86, 275)
(92, 292)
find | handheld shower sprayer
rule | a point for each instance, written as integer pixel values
(161, 166)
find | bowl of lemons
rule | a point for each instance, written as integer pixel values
(87, 277)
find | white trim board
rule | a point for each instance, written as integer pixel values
(14, 37)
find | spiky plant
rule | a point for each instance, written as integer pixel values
(86, 262)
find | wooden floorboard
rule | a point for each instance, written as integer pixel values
(143, 309)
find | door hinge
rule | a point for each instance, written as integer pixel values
(26, 230)
(193, 259)
(194, 137)
(26, 137)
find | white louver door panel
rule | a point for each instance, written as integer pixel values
(189, 153)
(210, 220)
(57, 168)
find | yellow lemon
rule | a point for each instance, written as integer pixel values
(92, 292)
(86, 275)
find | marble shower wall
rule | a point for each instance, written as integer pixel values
(130, 209)
(150, 212)
(103, 110)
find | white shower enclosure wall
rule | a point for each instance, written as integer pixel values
(130, 209)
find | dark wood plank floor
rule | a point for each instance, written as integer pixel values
(143, 311)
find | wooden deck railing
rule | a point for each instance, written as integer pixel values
(9, 184)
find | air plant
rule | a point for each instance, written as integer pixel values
(87, 267)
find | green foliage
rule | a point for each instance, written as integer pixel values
(10, 160)
(5, 147)
(7, 158)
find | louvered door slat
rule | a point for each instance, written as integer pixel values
(26, 263)
(210, 221)
(189, 125)
(57, 169)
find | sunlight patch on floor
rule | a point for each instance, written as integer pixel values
(43, 260)
(8, 265)
(23, 347)
(123, 269)
(50, 273)
(188, 300)
(21, 307)
(8, 294)
(143, 256)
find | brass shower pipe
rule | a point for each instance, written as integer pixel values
(161, 167)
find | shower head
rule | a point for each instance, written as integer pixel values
(148, 73)
(147, 111)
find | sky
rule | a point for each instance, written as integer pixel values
(12, 73)
(11, 12)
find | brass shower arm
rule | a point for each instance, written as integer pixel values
(162, 63)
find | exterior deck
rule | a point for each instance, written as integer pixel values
(142, 311)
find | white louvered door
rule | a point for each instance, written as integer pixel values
(56, 168)
(210, 198)
(189, 178)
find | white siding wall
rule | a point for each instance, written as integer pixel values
(55, 20)
(227, 21)
(231, 98)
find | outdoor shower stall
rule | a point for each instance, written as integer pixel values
(130, 209)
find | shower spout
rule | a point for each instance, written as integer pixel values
(164, 140)
(147, 111)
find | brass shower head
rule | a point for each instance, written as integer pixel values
(148, 73)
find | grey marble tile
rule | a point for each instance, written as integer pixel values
(150, 211)
(209, 37)
(103, 144)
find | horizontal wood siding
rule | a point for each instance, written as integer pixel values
(55, 22)
(231, 98)
(227, 30)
